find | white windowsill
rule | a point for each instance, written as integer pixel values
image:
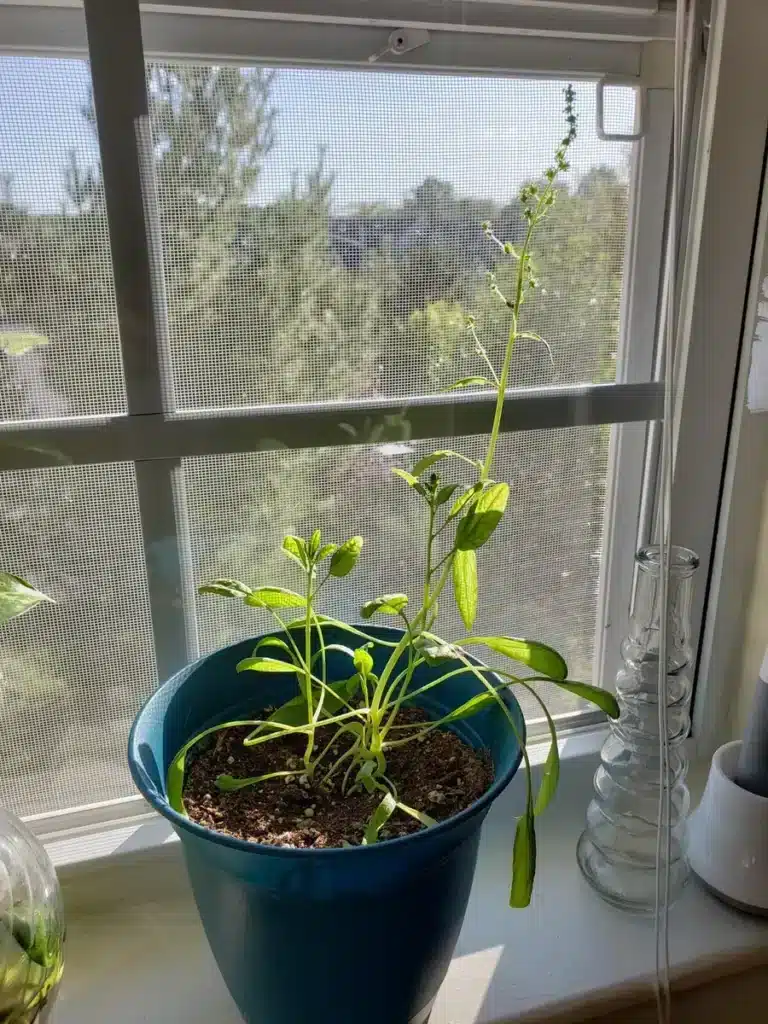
(136, 951)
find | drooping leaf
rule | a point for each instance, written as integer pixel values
(470, 707)
(379, 818)
(551, 772)
(425, 819)
(483, 518)
(387, 604)
(409, 478)
(445, 494)
(17, 596)
(523, 861)
(465, 585)
(434, 652)
(225, 588)
(601, 698)
(263, 664)
(540, 657)
(274, 597)
(229, 784)
(468, 382)
(345, 557)
(273, 641)
(174, 780)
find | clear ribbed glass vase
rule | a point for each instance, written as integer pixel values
(617, 850)
(31, 926)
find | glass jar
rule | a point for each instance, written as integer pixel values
(617, 850)
(31, 926)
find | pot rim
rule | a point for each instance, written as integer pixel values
(162, 806)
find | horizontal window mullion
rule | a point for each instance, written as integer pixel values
(139, 438)
(61, 31)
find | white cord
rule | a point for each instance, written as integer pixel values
(686, 21)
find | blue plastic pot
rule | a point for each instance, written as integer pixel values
(340, 936)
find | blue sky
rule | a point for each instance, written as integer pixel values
(383, 132)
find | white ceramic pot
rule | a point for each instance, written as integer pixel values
(728, 836)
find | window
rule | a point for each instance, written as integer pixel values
(256, 355)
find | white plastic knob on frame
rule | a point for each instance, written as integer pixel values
(728, 836)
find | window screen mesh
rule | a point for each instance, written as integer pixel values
(57, 307)
(538, 575)
(72, 674)
(323, 240)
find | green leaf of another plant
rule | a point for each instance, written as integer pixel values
(465, 585)
(388, 604)
(225, 588)
(523, 861)
(345, 557)
(274, 597)
(539, 657)
(483, 518)
(379, 818)
(468, 382)
(262, 664)
(17, 596)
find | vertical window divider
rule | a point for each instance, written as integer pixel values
(122, 114)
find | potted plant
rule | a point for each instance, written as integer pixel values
(328, 781)
(31, 918)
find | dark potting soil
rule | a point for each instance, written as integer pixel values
(440, 775)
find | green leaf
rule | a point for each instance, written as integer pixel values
(345, 557)
(387, 604)
(463, 499)
(274, 597)
(434, 652)
(261, 664)
(17, 596)
(16, 343)
(409, 478)
(470, 707)
(523, 861)
(325, 550)
(430, 460)
(379, 818)
(229, 784)
(468, 382)
(314, 543)
(225, 588)
(296, 548)
(363, 662)
(465, 585)
(551, 774)
(445, 494)
(174, 780)
(601, 698)
(425, 819)
(539, 657)
(483, 518)
(273, 641)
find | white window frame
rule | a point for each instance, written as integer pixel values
(632, 47)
